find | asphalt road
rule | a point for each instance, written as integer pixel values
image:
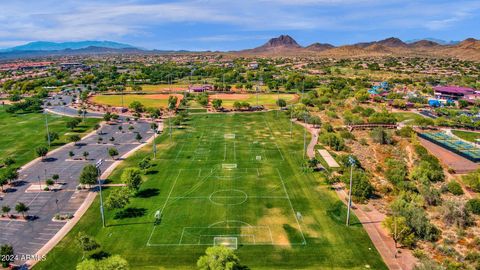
(28, 237)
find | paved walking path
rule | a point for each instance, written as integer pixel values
(28, 238)
(371, 221)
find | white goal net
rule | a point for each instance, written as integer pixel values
(229, 136)
(229, 166)
(229, 242)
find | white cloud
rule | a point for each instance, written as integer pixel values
(89, 19)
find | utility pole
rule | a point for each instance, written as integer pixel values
(102, 212)
(352, 162)
(48, 132)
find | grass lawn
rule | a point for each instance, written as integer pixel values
(201, 195)
(152, 101)
(402, 116)
(161, 87)
(267, 100)
(467, 135)
(22, 133)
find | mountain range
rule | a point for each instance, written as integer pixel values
(283, 45)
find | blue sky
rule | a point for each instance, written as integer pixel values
(231, 25)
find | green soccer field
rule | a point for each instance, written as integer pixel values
(22, 133)
(225, 177)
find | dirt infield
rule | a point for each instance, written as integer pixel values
(450, 159)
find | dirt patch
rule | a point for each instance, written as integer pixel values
(274, 218)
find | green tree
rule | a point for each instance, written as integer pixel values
(281, 103)
(112, 152)
(172, 102)
(118, 198)
(85, 155)
(41, 151)
(6, 255)
(217, 104)
(107, 116)
(72, 124)
(399, 230)
(237, 105)
(74, 138)
(5, 210)
(89, 175)
(86, 243)
(137, 106)
(21, 208)
(219, 258)
(114, 262)
(132, 178)
(144, 164)
(9, 161)
(138, 137)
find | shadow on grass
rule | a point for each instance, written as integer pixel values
(151, 172)
(130, 212)
(100, 255)
(147, 193)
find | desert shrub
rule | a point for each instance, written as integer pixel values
(410, 206)
(430, 194)
(405, 132)
(472, 180)
(362, 190)
(396, 171)
(333, 141)
(455, 213)
(454, 188)
(381, 136)
(473, 206)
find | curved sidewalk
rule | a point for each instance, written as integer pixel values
(371, 221)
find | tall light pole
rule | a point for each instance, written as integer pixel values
(352, 162)
(102, 212)
(305, 136)
(291, 122)
(154, 127)
(48, 132)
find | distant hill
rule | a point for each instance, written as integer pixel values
(319, 46)
(54, 46)
(285, 45)
(436, 40)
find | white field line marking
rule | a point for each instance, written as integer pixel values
(225, 152)
(165, 204)
(234, 151)
(178, 153)
(293, 210)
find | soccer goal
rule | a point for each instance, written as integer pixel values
(229, 166)
(229, 136)
(228, 242)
